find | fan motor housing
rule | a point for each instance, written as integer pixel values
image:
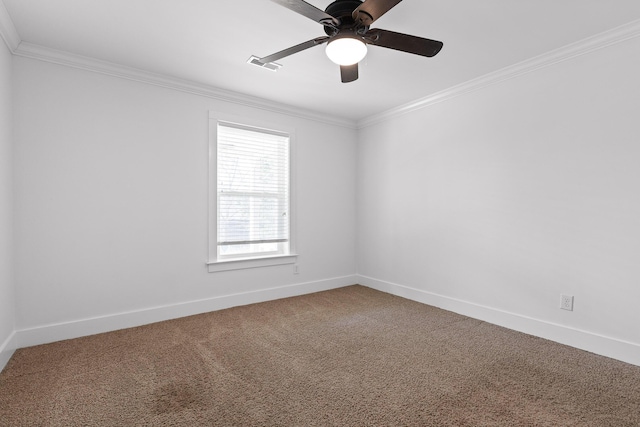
(343, 10)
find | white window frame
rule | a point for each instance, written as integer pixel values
(215, 262)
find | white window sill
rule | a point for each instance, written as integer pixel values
(244, 263)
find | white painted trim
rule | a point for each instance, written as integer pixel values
(78, 328)
(7, 349)
(245, 263)
(582, 47)
(625, 351)
(8, 31)
(41, 53)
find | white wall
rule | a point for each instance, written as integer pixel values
(495, 202)
(111, 205)
(7, 317)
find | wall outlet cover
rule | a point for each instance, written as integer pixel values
(566, 302)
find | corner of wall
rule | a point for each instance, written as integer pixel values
(8, 31)
(10, 37)
(6, 350)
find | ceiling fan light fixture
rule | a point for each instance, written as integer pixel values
(346, 50)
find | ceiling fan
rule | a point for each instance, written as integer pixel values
(347, 25)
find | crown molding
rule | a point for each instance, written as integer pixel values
(8, 31)
(33, 51)
(582, 47)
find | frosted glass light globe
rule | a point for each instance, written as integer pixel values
(346, 51)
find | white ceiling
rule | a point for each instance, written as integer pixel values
(209, 41)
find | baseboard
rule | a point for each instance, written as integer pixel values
(61, 331)
(605, 346)
(7, 348)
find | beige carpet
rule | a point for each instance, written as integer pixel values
(346, 357)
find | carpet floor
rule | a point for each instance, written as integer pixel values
(346, 357)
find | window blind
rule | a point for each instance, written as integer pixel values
(252, 190)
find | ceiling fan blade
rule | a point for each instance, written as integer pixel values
(294, 49)
(349, 73)
(371, 10)
(310, 11)
(403, 42)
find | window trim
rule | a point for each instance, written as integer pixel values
(215, 264)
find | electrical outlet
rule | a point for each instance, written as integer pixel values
(296, 269)
(566, 302)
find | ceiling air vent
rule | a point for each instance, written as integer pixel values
(269, 65)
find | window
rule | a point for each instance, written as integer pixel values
(250, 197)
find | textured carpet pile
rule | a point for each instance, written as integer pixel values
(346, 357)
